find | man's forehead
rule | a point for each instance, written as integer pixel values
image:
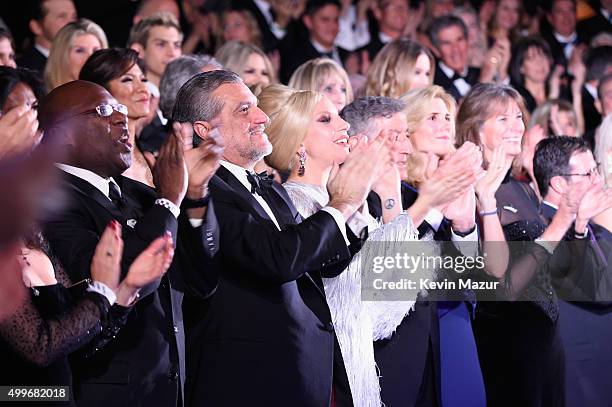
(582, 158)
(161, 32)
(234, 94)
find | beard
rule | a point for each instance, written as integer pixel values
(254, 151)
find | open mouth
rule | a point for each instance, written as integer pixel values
(343, 141)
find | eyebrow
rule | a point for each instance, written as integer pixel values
(245, 102)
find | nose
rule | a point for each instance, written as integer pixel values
(343, 125)
(259, 116)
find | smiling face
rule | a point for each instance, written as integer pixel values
(82, 48)
(326, 141)
(453, 47)
(393, 16)
(58, 14)
(20, 95)
(236, 27)
(434, 132)
(255, 71)
(562, 17)
(505, 126)
(130, 89)
(335, 89)
(241, 124)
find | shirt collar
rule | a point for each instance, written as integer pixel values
(563, 39)
(264, 7)
(94, 179)
(42, 50)
(450, 72)
(605, 13)
(238, 172)
(384, 38)
(592, 90)
(552, 205)
(320, 48)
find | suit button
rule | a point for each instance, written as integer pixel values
(329, 326)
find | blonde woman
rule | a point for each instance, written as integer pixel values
(249, 62)
(557, 118)
(326, 76)
(71, 47)
(402, 65)
(309, 138)
(603, 155)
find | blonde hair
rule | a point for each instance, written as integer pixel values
(140, 31)
(233, 55)
(311, 75)
(390, 72)
(290, 112)
(603, 148)
(56, 71)
(417, 107)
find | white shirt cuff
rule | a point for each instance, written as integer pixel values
(196, 223)
(102, 289)
(339, 218)
(175, 210)
(434, 217)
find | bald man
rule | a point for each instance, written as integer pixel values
(143, 362)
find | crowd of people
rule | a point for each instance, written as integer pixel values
(193, 190)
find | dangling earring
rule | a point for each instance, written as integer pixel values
(302, 158)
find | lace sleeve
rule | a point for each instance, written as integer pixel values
(43, 340)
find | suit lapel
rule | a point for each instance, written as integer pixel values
(86, 189)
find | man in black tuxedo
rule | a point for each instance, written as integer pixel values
(598, 64)
(449, 35)
(586, 315)
(48, 17)
(263, 13)
(321, 18)
(563, 37)
(143, 363)
(266, 337)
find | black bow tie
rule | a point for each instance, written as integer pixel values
(457, 76)
(259, 182)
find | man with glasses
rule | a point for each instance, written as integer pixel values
(561, 164)
(143, 362)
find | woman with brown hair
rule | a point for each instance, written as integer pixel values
(518, 342)
(121, 72)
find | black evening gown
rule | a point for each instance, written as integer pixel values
(519, 347)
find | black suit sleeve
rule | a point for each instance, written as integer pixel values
(196, 249)
(257, 248)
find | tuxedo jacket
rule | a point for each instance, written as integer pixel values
(268, 39)
(590, 27)
(592, 118)
(266, 338)
(144, 362)
(34, 60)
(557, 48)
(373, 47)
(292, 57)
(441, 79)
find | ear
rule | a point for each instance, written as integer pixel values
(138, 48)
(558, 184)
(307, 20)
(201, 129)
(35, 27)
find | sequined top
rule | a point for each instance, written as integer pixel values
(528, 276)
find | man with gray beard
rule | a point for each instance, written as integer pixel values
(266, 337)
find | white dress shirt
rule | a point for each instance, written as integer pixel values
(240, 173)
(569, 43)
(434, 217)
(462, 86)
(321, 49)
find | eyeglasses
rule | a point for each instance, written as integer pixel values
(592, 173)
(105, 109)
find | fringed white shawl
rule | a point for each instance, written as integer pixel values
(358, 323)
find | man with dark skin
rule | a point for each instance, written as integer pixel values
(143, 361)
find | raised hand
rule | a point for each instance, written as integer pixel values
(353, 181)
(169, 169)
(18, 131)
(594, 201)
(106, 263)
(148, 267)
(487, 185)
(202, 161)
